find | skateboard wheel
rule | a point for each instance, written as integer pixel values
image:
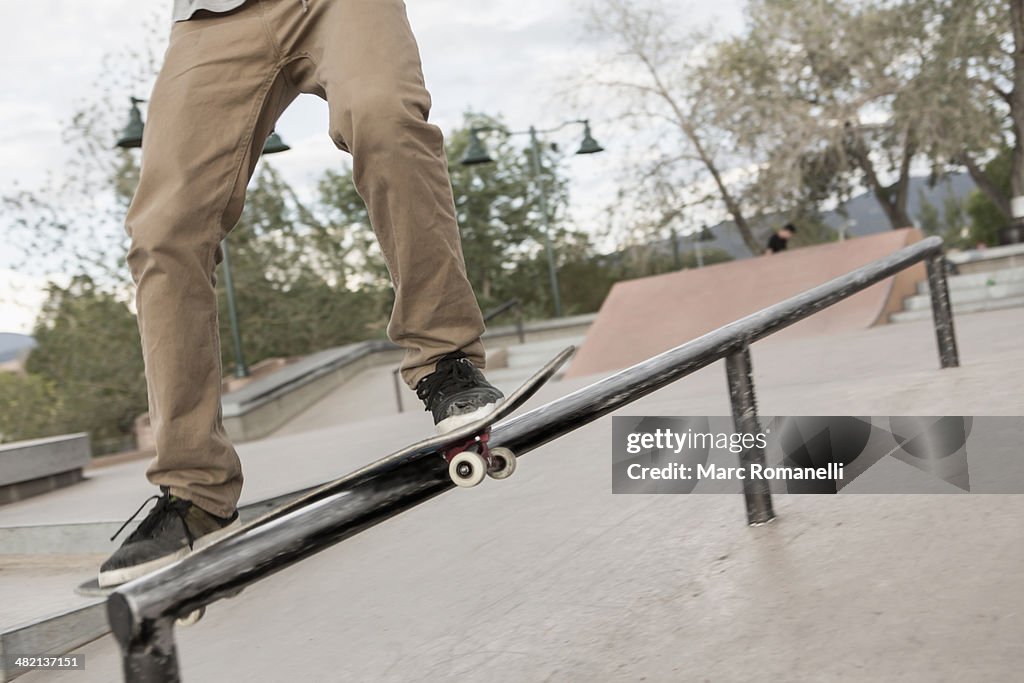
(504, 461)
(467, 469)
(192, 617)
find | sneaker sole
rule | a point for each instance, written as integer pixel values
(450, 424)
(115, 577)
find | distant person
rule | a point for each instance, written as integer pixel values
(780, 239)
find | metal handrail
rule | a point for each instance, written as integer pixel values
(142, 613)
(501, 308)
(505, 307)
(732, 342)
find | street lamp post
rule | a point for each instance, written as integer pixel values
(538, 178)
(241, 369)
(476, 153)
(131, 138)
(702, 235)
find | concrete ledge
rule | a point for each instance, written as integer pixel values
(960, 309)
(54, 635)
(312, 367)
(989, 259)
(12, 493)
(540, 330)
(1004, 276)
(60, 539)
(28, 468)
(93, 538)
(961, 295)
(262, 406)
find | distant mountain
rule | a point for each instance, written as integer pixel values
(13, 345)
(863, 210)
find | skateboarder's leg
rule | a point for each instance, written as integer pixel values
(367, 62)
(216, 100)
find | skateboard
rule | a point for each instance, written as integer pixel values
(466, 449)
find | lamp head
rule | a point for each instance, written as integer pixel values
(274, 144)
(476, 153)
(589, 144)
(131, 136)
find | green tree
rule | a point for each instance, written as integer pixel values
(301, 279)
(73, 222)
(802, 90)
(89, 358)
(498, 211)
(29, 407)
(309, 274)
(831, 96)
(987, 218)
(499, 219)
(949, 222)
(978, 66)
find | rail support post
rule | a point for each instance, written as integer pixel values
(739, 373)
(151, 656)
(942, 310)
(396, 378)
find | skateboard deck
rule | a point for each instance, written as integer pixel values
(465, 448)
(435, 444)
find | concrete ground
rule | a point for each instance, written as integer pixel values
(550, 577)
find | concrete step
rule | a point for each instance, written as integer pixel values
(969, 295)
(41, 612)
(971, 307)
(84, 539)
(972, 280)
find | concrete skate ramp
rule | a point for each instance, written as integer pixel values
(643, 317)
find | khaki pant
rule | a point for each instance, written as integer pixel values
(225, 80)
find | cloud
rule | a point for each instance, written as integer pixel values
(21, 297)
(508, 57)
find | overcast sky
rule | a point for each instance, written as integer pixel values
(510, 57)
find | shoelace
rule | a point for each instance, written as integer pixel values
(149, 524)
(449, 374)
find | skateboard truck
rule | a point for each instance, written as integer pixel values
(470, 460)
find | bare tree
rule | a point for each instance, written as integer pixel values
(74, 221)
(832, 95)
(808, 89)
(971, 94)
(1015, 97)
(657, 77)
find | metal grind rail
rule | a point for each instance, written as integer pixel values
(142, 613)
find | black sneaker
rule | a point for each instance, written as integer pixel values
(456, 393)
(171, 530)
